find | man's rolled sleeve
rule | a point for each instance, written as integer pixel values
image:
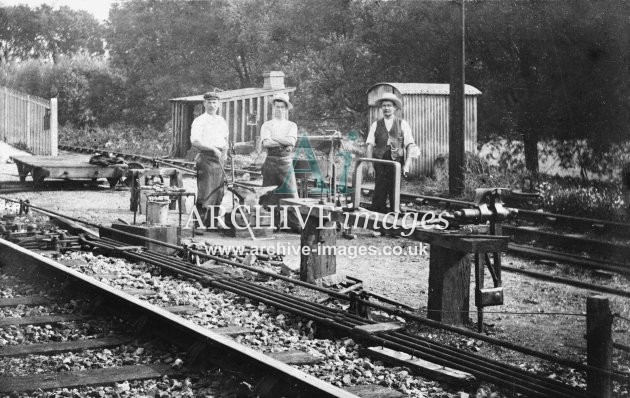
(265, 133)
(195, 133)
(407, 135)
(293, 133)
(370, 140)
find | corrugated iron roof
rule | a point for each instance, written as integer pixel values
(249, 92)
(426, 88)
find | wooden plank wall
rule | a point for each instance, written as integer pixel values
(27, 121)
(236, 112)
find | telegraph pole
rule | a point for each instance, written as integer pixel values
(456, 100)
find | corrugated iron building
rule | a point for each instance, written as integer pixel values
(425, 108)
(245, 110)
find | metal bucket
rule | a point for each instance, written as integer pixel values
(157, 211)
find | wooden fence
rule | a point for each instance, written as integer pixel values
(28, 122)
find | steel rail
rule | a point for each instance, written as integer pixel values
(590, 263)
(9, 187)
(529, 215)
(617, 250)
(610, 226)
(455, 358)
(565, 241)
(566, 281)
(439, 351)
(183, 165)
(394, 311)
(408, 315)
(228, 353)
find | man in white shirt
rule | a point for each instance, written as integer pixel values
(279, 136)
(209, 134)
(389, 138)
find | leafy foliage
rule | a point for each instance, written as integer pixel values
(89, 90)
(119, 138)
(44, 33)
(546, 69)
(598, 200)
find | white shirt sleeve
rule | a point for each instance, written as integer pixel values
(265, 133)
(407, 135)
(195, 133)
(293, 132)
(209, 132)
(370, 137)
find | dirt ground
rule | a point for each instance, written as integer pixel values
(545, 316)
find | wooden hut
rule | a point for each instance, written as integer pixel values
(425, 108)
(245, 110)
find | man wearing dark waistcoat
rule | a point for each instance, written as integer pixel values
(389, 138)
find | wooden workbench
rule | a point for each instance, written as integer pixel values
(66, 167)
(449, 258)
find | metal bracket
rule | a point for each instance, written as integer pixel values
(356, 307)
(486, 297)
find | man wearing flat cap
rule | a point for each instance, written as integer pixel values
(279, 137)
(209, 134)
(389, 138)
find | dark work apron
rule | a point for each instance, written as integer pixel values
(210, 180)
(277, 170)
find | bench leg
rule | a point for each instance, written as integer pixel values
(39, 175)
(23, 171)
(449, 286)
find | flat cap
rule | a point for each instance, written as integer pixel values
(211, 95)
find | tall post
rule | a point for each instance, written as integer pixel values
(54, 135)
(28, 137)
(599, 347)
(456, 101)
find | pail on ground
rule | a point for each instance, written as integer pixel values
(157, 210)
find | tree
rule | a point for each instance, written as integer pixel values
(550, 69)
(44, 33)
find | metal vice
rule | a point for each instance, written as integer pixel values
(489, 209)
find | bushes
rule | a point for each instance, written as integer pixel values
(478, 173)
(563, 195)
(121, 138)
(597, 200)
(90, 92)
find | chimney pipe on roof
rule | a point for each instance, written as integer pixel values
(273, 79)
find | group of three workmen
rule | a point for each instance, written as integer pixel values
(389, 138)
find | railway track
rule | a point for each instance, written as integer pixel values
(196, 344)
(148, 160)
(70, 343)
(594, 254)
(510, 377)
(617, 254)
(602, 254)
(8, 187)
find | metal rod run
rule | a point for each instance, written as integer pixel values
(479, 366)
(566, 281)
(393, 311)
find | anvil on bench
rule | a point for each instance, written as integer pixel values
(249, 194)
